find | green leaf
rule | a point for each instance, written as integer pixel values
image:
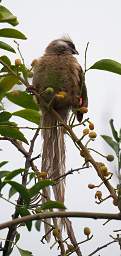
(12, 132)
(3, 163)
(114, 132)
(14, 173)
(20, 189)
(111, 143)
(3, 174)
(12, 192)
(6, 60)
(107, 65)
(23, 211)
(51, 205)
(6, 84)
(40, 185)
(7, 16)
(22, 99)
(5, 116)
(12, 33)
(38, 225)
(29, 114)
(24, 252)
(6, 47)
(17, 237)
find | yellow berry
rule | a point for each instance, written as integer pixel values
(87, 231)
(110, 158)
(42, 175)
(86, 131)
(91, 126)
(104, 170)
(91, 186)
(61, 95)
(56, 232)
(98, 195)
(83, 110)
(17, 62)
(92, 135)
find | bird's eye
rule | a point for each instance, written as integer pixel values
(71, 45)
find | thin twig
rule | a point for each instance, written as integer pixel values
(84, 241)
(7, 200)
(85, 58)
(18, 48)
(69, 172)
(102, 247)
(107, 221)
(96, 152)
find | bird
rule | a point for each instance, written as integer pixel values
(58, 79)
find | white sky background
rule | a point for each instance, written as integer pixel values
(99, 23)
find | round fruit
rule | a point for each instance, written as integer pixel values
(110, 158)
(49, 90)
(42, 175)
(92, 135)
(86, 131)
(98, 195)
(91, 186)
(91, 126)
(17, 62)
(104, 170)
(87, 231)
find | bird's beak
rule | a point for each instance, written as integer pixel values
(75, 52)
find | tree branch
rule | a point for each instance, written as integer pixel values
(61, 214)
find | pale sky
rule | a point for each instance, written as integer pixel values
(97, 22)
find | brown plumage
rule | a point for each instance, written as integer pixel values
(58, 69)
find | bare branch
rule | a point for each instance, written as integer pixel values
(102, 247)
(61, 214)
(69, 172)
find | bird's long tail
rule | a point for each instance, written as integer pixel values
(53, 156)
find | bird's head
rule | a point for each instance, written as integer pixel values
(63, 45)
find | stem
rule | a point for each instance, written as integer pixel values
(85, 58)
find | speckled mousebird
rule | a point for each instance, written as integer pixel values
(59, 70)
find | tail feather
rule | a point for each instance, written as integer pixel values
(53, 158)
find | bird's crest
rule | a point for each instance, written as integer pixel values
(67, 38)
